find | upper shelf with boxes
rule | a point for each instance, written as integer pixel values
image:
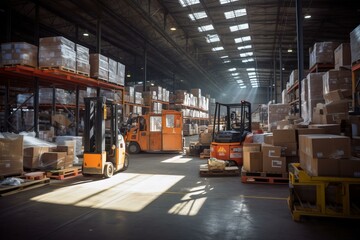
(61, 61)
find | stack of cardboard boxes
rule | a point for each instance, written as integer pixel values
(277, 112)
(11, 155)
(82, 60)
(99, 67)
(322, 52)
(19, 53)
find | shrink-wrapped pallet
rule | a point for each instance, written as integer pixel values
(99, 67)
(82, 60)
(322, 52)
(112, 70)
(315, 94)
(57, 52)
(120, 74)
(19, 53)
(355, 44)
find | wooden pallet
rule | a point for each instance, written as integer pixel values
(264, 177)
(18, 64)
(100, 78)
(83, 74)
(27, 185)
(64, 173)
(228, 171)
(321, 67)
(61, 68)
(35, 175)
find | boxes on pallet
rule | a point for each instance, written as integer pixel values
(315, 95)
(253, 161)
(277, 112)
(19, 53)
(294, 75)
(337, 79)
(99, 66)
(158, 91)
(115, 96)
(11, 154)
(57, 52)
(53, 160)
(337, 95)
(355, 44)
(112, 65)
(322, 52)
(82, 60)
(138, 98)
(350, 167)
(271, 151)
(341, 106)
(131, 92)
(205, 138)
(329, 128)
(342, 56)
(120, 74)
(274, 164)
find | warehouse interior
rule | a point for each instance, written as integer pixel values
(113, 120)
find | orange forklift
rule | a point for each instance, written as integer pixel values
(230, 131)
(155, 132)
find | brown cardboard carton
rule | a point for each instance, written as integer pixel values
(290, 148)
(329, 128)
(11, 155)
(305, 131)
(253, 161)
(35, 151)
(305, 162)
(274, 164)
(324, 167)
(350, 167)
(31, 162)
(271, 151)
(340, 106)
(62, 148)
(269, 139)
(337, 95)
(53, 160)
(284, 135)
(325, 146)
(342, 55)
(205, 138)
(252, 147)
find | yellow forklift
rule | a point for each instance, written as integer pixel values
(155, 132)
(104, 146)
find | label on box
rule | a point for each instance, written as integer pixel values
(276, 163)
(271, 153)
(235, 155)
(237, 149)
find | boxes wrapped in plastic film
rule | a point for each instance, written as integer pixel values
(82, 60)
(57, 52)
(99, 67)
(19, 53)
(156, 107)
(138, 98)
(304, 100)
(11, 154)
(355, 44)
(322, 52)
(277, 112)
(337, 79)
(315, 94)
(120, 74)
(294, 75)
(112, 70)
(114, 96)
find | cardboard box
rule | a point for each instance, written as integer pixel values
(53, 160)
(284, 135)
(252, 161)
(252, 147)
(35, 151)
(340, 106)
(329, 128)
(274, 164)
(342, 55)
(205, 138)
(290, 149)
(350, 167)
(337, 95)
(62, 148)
(324, 167)
(269, 139)
(31, 162)
(325, 146)
(271, 151)
(11, 155)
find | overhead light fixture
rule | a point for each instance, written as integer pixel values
(250, 69)
(152, 84)
(128, 75)
(85, 34)
(173, 28)
(246, 54)
(290, 50)
(234, 74)
(283, 69)
(307, 16)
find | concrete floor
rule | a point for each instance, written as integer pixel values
(161, 196)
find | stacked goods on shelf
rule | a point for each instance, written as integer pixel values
(112, 65)
(304, 100)
(138, 99)
(99, 67)
(115, 96)
(120, 74)
(342, 56)
(57, 52)
(276, 113)
(159, 92)
(205, 138)
(149, 97)
(315, 95)
(294, 75)
(327, 155)
(322, 53)
(129, 94)
(19, 53)
(11, 154)
(75, 141)
(355, 44)
(82, 60)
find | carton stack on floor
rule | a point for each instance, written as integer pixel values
(11, 155)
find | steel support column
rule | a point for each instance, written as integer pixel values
(36, 106)
(7, 106)
(145, 66)
(77, 111)
(273, 85)
(300, 46)
(8, 23)
(280, 68)
(98, 36)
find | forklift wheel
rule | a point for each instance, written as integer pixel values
(134, 148)
(108, 170)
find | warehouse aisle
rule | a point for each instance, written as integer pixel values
(161, 196)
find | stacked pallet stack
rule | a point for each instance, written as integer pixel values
(11, 155)
(322, 53)
(99, 67)
(19, 53)
(57, 52)
(82, 60)
(277, 113)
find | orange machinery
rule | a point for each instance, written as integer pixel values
(155, 132)
(229, 131)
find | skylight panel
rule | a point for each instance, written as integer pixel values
(197, 15)
(242, 39)
(248, 60)
(243, 86)
(212, 38)
(206, 28)
(227, 61)
(227, 1)
(234, 74)
(252, 74)
(232, 69)
(246, 54)
(185, 3)
(224, 56)
(236, 13)
(250, 69)
(217, 49)
(239, 27)
(244, 47)
(240, 81)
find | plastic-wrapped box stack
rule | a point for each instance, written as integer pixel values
(148, 97)
(99, 67)
(277, 112)
(138, 98)
(61, 96)
(82, 60)
(130, 94)
(120, 74)
(304, 100)
(57, 52)
(11, 154)
(75, 141)
(355, 44)
(158, 91)
(112, 70)
(156, 107)
(342, 56)
(315, 95)
(322, 52)
(115, 96)
(19, 53)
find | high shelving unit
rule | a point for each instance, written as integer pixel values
(356, 88)
(23, 79)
